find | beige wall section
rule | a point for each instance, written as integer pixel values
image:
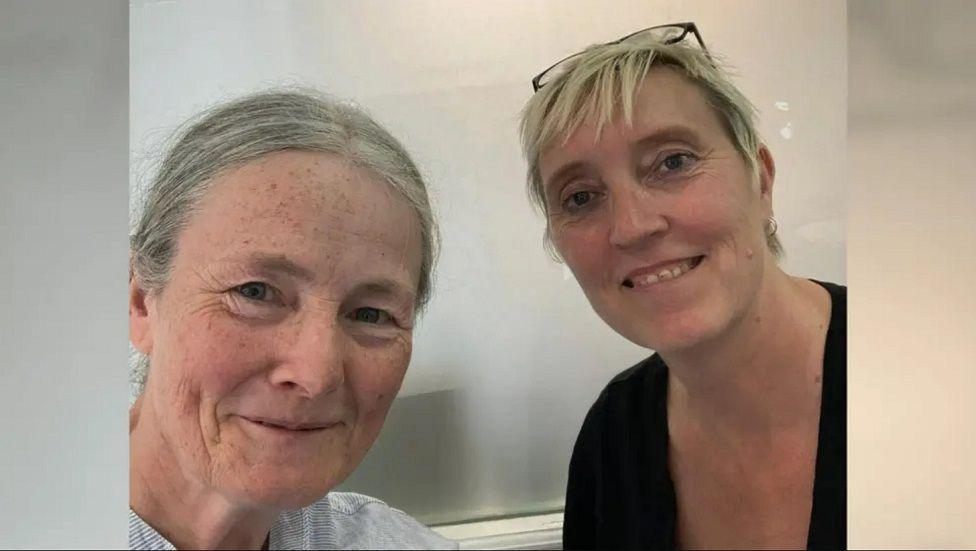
(912, 256)
(510, 355)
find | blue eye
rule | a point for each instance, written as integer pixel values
(254, 290)
(676, 161)
(370, 315)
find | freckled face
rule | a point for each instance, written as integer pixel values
(285, 331)
(668, 192)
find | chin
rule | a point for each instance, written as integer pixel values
(668, 340)
(275, 487)
(674, 332)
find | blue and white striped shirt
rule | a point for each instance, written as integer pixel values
(340, 520)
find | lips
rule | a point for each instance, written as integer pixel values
(648, 276)
(292, 425)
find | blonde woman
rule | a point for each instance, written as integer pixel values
(658, 195)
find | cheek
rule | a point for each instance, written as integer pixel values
(375, 379)
(214, 354)
(584, 249)
(712, 227)
(716, 220)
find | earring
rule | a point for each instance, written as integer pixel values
(771, 226)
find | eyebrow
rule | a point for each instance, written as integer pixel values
(385, 287)
(673, 133)
(278, 263)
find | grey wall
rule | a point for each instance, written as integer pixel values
(63, 113)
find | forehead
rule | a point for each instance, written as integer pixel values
(665, 98)
(667, 91)
(312, 207)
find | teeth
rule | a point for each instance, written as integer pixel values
(668, 273)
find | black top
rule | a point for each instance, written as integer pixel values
(620, 493)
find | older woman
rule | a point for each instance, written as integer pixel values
(658, 195)
(283, 253)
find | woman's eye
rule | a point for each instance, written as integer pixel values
(580, 198)
(254, 290)
(577, 200)
(676, 161)
(371, 315)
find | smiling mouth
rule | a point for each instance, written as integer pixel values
(666, 273)
(292, 427)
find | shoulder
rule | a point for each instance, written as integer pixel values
(627, 395)
(838, 300)
(634, 384)
(143, 536)
(835, 348)
(833, 288)
(346, 520)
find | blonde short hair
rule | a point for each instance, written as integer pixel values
(606, 77)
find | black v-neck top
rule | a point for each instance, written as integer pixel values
(620, 493)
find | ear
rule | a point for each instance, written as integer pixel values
(140, 324)
(767, 176)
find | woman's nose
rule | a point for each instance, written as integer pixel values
(634, 218)
(314, 361)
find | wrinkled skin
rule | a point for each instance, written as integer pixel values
(291, 303)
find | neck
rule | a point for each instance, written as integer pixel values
(181, 507)
(763, 373)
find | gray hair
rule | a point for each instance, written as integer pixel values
(232, 134)
(606, 77)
